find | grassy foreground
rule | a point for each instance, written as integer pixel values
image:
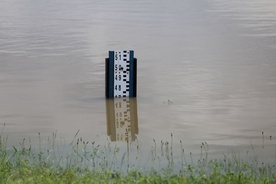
(28, 173)
(24, 172)
(27, 165)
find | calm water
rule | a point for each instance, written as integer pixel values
(206, 71)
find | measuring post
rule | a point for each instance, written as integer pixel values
(120, 74)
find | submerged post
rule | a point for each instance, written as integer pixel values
(121, 74)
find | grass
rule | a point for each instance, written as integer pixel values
(85, 162)
(26, 172)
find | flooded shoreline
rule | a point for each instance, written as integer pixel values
(206, 71)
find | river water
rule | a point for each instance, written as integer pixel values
(206, 71)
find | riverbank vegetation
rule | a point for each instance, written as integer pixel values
(84, 162)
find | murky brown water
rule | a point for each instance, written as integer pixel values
(206, 71)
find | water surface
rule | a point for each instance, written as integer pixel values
(206, 70)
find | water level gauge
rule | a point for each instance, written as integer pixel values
(120, 74)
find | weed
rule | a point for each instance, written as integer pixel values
(94, 163)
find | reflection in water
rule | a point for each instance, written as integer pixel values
(122, 119)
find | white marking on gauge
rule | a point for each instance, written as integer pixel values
(121, 73)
